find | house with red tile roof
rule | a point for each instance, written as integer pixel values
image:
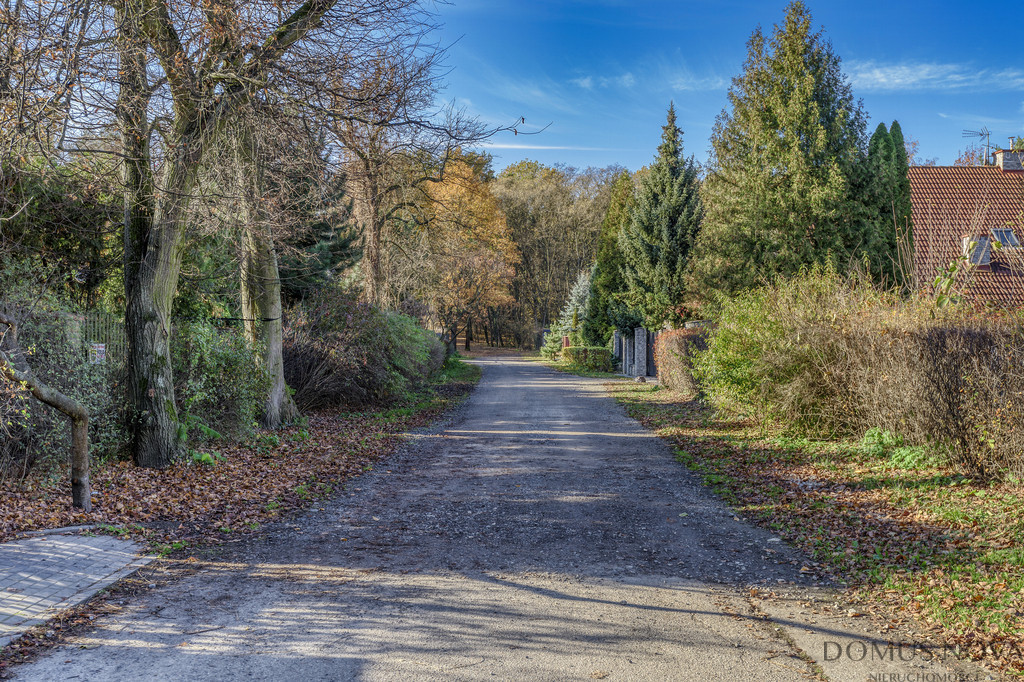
(976, 211)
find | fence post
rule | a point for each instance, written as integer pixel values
(627, 355)
(640, 350)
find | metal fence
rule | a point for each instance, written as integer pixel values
(102, 337)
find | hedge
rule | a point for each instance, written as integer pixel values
(590, 358)
(674, 353)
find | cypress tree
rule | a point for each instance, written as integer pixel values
(608, 282)
(901, 165)
(662, 225)
(879, 192)
(782, 185)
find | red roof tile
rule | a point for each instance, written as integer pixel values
(953, 202)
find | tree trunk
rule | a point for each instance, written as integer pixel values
(261, 305)
(152, 256)
(367, 213)
(450, 336)
(469, 331)
(81, 493)
(260, 287)
(373, 278)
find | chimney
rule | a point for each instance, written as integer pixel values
(1009, 161)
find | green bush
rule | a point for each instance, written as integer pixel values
(674, 353)
(821, 354)
(731, 370)
(50, 337)
(220, 383)
(417, 355)
(589, 358)
(552, 347)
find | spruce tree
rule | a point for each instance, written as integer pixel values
(784, 160)
(608, 282)
(662, 225)
(571, 320)
(886, 198)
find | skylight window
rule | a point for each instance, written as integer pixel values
(977, 250)
(1006, 237)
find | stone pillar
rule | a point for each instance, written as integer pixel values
(640, 350)
(617, 344)
(627, 356)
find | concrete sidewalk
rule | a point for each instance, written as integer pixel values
(55, 570)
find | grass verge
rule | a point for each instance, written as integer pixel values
(922, 548)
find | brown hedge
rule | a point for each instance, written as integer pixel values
(674, 351)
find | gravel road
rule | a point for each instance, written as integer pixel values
(540, 534)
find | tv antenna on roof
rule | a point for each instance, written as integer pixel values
(983, 133)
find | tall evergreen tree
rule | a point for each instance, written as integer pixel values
(570, 321)
(885, 194)
(901, 165)
(878, 193)
(779, 193)
(608, 282)
(662, 225)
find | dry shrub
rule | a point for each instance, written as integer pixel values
(339, 351)
(825, 356)
(976, 394)
(674, 352)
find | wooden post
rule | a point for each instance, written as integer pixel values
(81, 494)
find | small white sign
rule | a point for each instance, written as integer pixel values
(97, 353)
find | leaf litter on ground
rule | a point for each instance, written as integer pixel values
(250, 484)
(927, 551)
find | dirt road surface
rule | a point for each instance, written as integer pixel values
(540, 534)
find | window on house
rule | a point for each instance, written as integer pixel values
(1006, 237)
(977, 250)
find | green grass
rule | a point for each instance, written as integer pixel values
(455, 370)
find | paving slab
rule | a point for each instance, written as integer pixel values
(42, 575)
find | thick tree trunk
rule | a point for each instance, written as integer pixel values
(153, 423)
(152, 258)
(374, 276)
(81, 492)
(367, 213)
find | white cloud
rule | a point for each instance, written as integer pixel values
(626, 80)
(545, 147)
(873, 75)
(543, 93)
(689, 83)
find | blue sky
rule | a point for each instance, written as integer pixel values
(602, 73)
